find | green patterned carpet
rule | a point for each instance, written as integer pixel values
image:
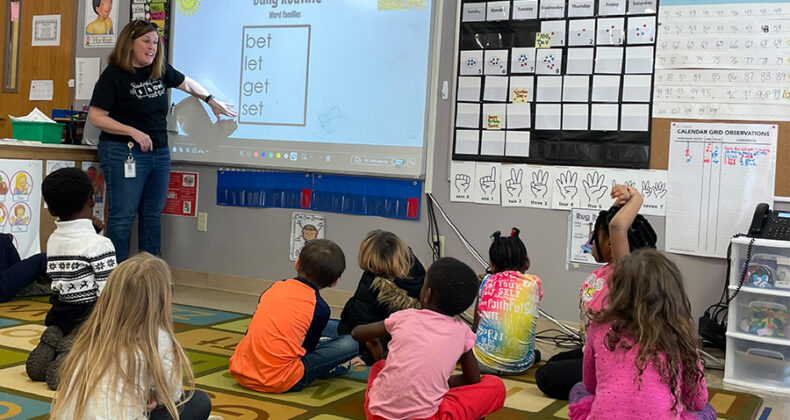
(209, 338)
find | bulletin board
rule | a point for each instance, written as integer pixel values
(556, 82)
(154, 11)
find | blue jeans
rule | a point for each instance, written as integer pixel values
(323, 362)
(143, 195)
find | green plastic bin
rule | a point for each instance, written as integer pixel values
(44, 132)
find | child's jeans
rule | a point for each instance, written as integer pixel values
(469, 402)
(324, 361)
(16, 273)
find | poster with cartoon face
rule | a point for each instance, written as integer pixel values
(101, 17)
(20, 203)
(305, 227)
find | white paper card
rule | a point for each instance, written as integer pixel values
(41, 90)
(539, 181)
(549, 89)
(611, 31)
(547, 116)
(496, 62)
(580, 8)
(471, 63)
(595, 186)
(88, 70)
(513, 185)
(525, 9)
(469, 88)
(654, 189)
(46, 31)
(580, 60)
(638, 7)
(575, 116)
(487, 183)
(606, 88)
(549, 61)
(462, 184)
(576, 88)
(609, 60)
(552, 9)
(523, 60)
(522, 89)
(495, 89)
(557, 30)
(581, 32)
(639, 60)
(492, 143)
(641, 30)
(467, 115)
(637, 88)
(473, 12)
(566, 188)
(517, 143)
(467, 142)
(519, 116)
(498, 10)
(494, 116)
(611, 7)
(635, 117)
(604, 117)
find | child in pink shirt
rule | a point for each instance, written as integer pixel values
(416, 380)
(658, 375)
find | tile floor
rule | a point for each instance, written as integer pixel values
(246, 303)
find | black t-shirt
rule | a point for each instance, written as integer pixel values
(134, 100)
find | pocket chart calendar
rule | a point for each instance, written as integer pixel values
(556, 82)
(725, 60)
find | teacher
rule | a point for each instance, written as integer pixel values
(129, 106)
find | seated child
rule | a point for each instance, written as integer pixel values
(507, 309)
(281, 351)
(416, 381)
(16, 273)
(617, 232)
(133, 316)
(79, 261)
(392, 281)
(642, 354)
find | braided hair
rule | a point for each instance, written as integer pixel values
(640, 234)
(507, 253)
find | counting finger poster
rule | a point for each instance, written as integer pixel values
(20, 203)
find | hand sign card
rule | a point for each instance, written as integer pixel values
(537, 183)
(595, 189)
(567, 188)
(461, 181)
(487, 183)
(653, 187)
(514, 193)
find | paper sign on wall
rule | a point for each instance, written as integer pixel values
(305, 227)
(20, 203)
(182, 194)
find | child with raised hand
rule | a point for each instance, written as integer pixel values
(79, 261)
(125, 362)
(641, 358)
(391, 281)
(281, 351)
(507, 309)
(617, 232)
(416, 380)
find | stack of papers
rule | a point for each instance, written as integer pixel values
(34, 116)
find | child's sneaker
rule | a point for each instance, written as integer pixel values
(42, 356)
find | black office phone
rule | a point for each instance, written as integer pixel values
(770, 224)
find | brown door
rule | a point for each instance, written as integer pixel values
(37, 63)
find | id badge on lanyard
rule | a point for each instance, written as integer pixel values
(130, 166)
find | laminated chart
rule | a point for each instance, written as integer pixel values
(725, 60)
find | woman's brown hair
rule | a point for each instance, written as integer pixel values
(121, 55)
(647, 302)
(385, 254)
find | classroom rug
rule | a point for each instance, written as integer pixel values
(209, 338)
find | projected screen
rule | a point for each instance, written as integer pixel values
(320, 85)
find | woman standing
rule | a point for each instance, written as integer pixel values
(129, 106)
